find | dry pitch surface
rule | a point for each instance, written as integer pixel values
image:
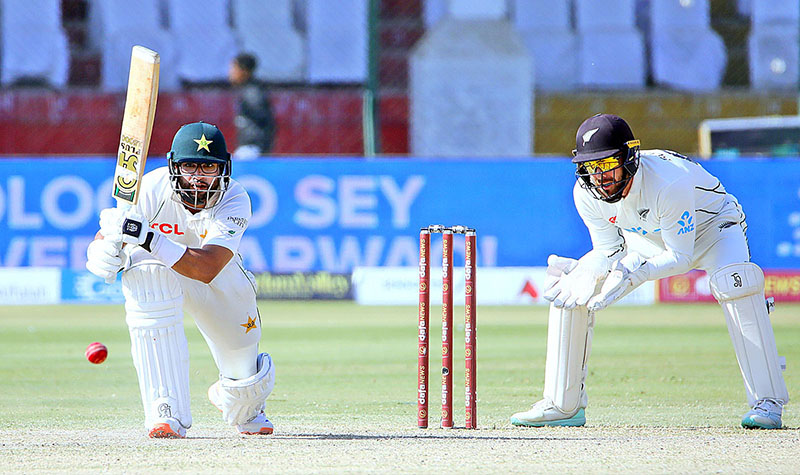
(298, 449)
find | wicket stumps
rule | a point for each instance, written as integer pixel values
(470, 309)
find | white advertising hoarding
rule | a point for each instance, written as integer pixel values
(30, 285)
(494, 286)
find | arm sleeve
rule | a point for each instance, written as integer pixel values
(676, 209)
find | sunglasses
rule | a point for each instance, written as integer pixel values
(608, 163)
(604, 164)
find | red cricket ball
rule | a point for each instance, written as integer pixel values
(96, 352)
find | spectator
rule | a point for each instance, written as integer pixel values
(255, 123)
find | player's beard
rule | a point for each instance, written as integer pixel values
(611, 190)
(197, 194)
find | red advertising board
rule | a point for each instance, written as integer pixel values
(783, 285)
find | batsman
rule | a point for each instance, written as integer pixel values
(177, 250)
(651, 214)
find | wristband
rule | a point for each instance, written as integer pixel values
(162, 248)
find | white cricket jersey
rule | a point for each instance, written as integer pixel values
(222, 225)
(673, 202)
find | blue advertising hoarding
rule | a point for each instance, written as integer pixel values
(333, 214)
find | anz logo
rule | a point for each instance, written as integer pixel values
(640, 230)
(686, 223)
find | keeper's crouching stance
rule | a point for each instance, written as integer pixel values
(651, 215)
(180, 252)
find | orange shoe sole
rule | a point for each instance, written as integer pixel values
(262, 431)
(164, 431)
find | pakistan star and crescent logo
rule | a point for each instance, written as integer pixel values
(203, 142)
(251, 323)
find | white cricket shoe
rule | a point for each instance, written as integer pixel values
(167, 428)
(545, 413)
(259, 425)
(765, 414)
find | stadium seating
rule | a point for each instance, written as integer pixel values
(34, 44)
(774, 57)
(773, 44)
(765, 12)
(744, 7)
(203, 38)
(546, 31)
(115, 26)
(337, 41)
(433, 11)
(685, 52)
(264, 29)
(611, 49)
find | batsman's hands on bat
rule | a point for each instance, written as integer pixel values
(122, 225)
(103, 259)
(626, 274)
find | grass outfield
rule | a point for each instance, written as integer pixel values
(665, 394)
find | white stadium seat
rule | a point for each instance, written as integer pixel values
(610, 47)
(593, 15)
(433, 11)
(611, 60)
(773, 52)
(770, 12)
(203, 39)
(773, 44)
(685, 52)
(337, 41)
(265, 29)
(541, 14)
(665, 14)
(115, 26)
(34, 45)
(545, 29)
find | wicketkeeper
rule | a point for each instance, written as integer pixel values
(177, 249)
(650, 215)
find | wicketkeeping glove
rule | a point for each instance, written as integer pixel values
(626, 274)
(103, 259)
(557, 266)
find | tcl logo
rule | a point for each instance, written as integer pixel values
(166, 228)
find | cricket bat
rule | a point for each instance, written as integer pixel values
(137, 125)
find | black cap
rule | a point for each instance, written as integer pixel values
(601, 136)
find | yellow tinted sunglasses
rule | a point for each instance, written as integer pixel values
(609, 163)
(604, 164)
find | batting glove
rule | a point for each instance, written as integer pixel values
(103, 259)
(123, 225)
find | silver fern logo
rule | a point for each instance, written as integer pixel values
(588, 135)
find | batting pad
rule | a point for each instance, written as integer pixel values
(154, 313)
(739, 288)
(243, 399)
(569, 342)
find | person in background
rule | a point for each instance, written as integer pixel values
(255, 122)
